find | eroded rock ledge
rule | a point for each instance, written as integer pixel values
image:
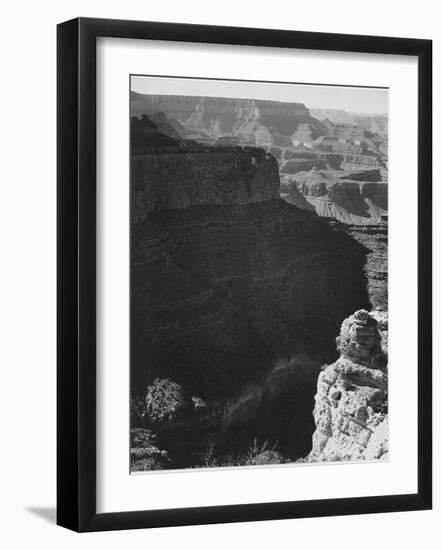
(168, 173)
(351, 404)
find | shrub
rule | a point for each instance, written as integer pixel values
(145, 455)
(165, 399)
(258, 455)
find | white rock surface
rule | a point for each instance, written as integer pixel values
(351, 404)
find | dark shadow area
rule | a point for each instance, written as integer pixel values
(220, 293)
(48, 514)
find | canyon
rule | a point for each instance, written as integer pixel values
(242, 274)
(248, 120)
(344, 152)
(222, 266)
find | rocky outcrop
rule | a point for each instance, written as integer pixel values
(351, 403)
(169, 173)
(178, 180)
(220, 291)
(361, 207)
(341, 144)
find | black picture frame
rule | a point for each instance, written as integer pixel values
(76, 281)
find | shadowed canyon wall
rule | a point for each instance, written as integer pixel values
(227, 278)
(236, 294)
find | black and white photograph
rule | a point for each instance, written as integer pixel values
(258, 275)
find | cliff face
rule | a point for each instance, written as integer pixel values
(293, 161)
(375, 239)
(170, 173)
(256, 121)
(333, 195)
(360, 206)
(222, 291)
(181, 179)
(227, 279)
(340, 144)
(351, 404)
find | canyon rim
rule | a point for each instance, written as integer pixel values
(259, 270)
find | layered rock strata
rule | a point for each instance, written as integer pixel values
(360, 205)
(227, 278)
(351, 403)
(343, 145)
(230, 289)
(352, 199)
(224, 176)
(256, 121)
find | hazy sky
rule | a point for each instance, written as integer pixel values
(350, 99)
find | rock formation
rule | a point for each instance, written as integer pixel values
(351, 404)
(236, 294)
(338, 143)
(223, 270)
(169, 173)
(255, 121)
(352, 200)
